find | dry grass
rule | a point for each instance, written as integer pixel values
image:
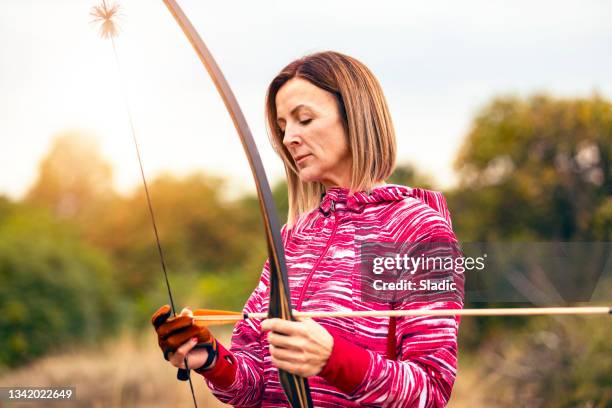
(126, 372)
(129, 372)
(470, 387)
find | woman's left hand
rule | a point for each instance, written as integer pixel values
(301, 347)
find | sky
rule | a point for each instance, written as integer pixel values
(438, 62)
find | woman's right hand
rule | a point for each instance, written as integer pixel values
(182, 338)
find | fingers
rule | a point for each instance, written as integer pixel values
(288, 355)
(297, 368)
(178, 357)
(301, 347)
(178, 335)
(204, 335)
(176, 338)
(161, 315)
(173, 324)
(286, 327)
(285, 334)
(172, 332)
(174, 341)
(286, 342)
(186, 312)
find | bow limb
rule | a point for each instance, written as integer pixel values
(295, 387)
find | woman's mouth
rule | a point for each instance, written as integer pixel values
(300, 159)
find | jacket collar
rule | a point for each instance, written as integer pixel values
(337, 198)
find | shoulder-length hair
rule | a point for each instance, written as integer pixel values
(366, 119)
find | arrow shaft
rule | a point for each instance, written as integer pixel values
(537, 311)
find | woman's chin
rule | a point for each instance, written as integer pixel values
(308, 176)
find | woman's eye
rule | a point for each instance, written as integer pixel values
(305, 121)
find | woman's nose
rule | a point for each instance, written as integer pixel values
(291, 137)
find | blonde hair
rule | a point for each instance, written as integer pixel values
(366, 119)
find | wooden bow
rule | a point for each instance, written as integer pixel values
(295, 387)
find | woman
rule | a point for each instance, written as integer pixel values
(329, 122)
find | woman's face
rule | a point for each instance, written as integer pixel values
(313, 133)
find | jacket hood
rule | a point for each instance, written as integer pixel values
(339, 198)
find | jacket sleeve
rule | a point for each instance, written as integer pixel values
(426, 347)
(422, 376)
(237, 378)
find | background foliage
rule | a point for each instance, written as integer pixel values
(78, 260)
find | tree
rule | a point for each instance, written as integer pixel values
(536, 168)
(406, 174)
(200, 232)
(73, 177)
(55, 291)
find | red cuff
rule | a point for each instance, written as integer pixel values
(223, 374)
(347, 365)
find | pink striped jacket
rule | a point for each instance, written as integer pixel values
(401, 362)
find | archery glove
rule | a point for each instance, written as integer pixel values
(173, 331)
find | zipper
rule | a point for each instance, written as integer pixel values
(314, 268)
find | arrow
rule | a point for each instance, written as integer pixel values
(214, 317)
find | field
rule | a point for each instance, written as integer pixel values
(130, 372)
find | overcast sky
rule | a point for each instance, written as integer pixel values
(438, 63)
